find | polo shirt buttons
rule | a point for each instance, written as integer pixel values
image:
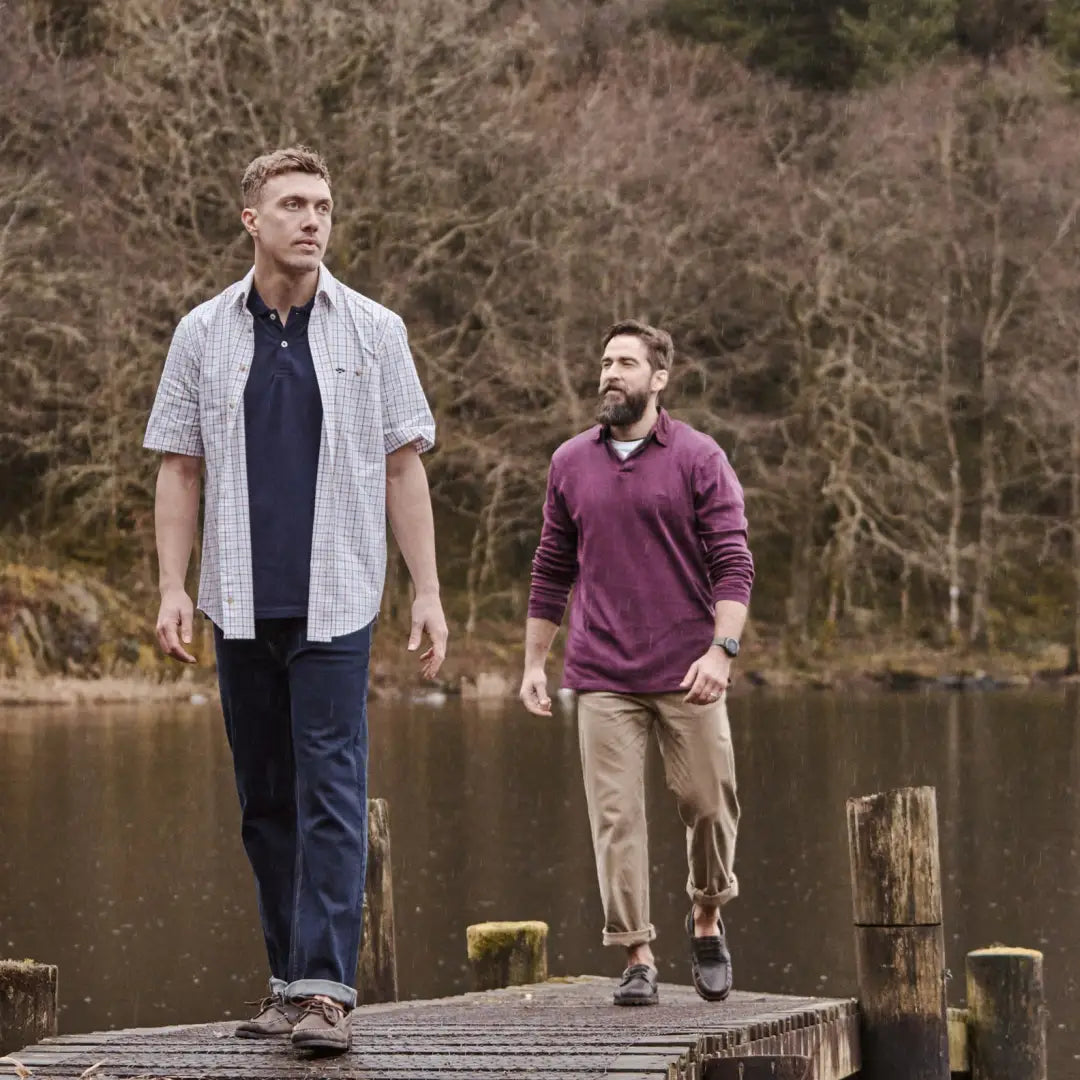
(284, 344)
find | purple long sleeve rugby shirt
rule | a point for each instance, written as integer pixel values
(648, 545)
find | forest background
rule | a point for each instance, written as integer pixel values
(858, 220)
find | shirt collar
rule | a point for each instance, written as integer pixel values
(661, 432)
(260, 308)
(327, 291)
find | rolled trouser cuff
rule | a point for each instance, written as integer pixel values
(629, 938)
(307, 988)
(707, 898)
(277, 987)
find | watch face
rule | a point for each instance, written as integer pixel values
(730, 646)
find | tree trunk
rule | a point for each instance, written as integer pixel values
(1074, 508)
(980, 595)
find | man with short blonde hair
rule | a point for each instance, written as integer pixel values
(298, 159)
(644, 522)
(301, 399)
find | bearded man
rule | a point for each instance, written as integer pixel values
(644, 521)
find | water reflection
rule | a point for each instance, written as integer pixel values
(121, 861)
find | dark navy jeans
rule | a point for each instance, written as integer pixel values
(296, 720)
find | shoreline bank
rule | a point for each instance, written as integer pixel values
(397, 680)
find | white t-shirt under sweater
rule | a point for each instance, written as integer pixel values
(625, 449)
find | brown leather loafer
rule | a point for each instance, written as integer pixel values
(275, 1017)
(323, 1027)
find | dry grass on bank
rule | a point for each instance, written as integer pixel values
(490, 666)
(65, 690)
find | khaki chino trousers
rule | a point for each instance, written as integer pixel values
(695, 741)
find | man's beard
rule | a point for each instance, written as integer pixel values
(622, 410)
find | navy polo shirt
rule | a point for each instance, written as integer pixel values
(283, 417)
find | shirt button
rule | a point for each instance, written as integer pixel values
(232, 404)
(228, 600)
(273, 315)
(284, 344)
(243, 367)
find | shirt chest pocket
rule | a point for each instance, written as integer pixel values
(355, 386)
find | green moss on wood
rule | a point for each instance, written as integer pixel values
(492, 938)
(507, 953)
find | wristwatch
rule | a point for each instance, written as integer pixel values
(730, 645)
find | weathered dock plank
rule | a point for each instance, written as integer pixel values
(557, 1030)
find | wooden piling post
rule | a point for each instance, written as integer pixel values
(1006, 1014)
(507, 954)
(899, 940)
(27, 1003)
(376, 978)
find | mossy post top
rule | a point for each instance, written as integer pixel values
(1006, 950)
(484, 938)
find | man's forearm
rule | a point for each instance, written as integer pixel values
(408, 506)
(539, 634)
(730, 619)
(176, 517)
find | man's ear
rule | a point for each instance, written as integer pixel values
(659, 380)
(250, 218)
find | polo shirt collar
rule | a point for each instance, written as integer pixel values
(328, 290)
(259, 306)
(661, 432)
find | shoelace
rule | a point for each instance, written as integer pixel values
(264, 1004)
(332, 1014)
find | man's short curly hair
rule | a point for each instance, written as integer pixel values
(290, 159)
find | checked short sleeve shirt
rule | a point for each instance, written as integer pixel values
(373, 404)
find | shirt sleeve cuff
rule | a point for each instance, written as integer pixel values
(187, 443)
(539, 609)
(739, 594)
(422, 438)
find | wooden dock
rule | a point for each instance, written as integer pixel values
(561, 1029)
(556, 1030)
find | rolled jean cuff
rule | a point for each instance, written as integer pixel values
(713, 899)
(277, 987)
(306, 988)
(628, 938)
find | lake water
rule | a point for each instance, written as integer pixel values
(120, 858)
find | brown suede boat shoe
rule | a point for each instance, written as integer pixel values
(275, 1017)
(323, 1027)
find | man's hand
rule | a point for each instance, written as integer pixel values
(708, 677)
(534, 695)
(174, 625)
(428, 617)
